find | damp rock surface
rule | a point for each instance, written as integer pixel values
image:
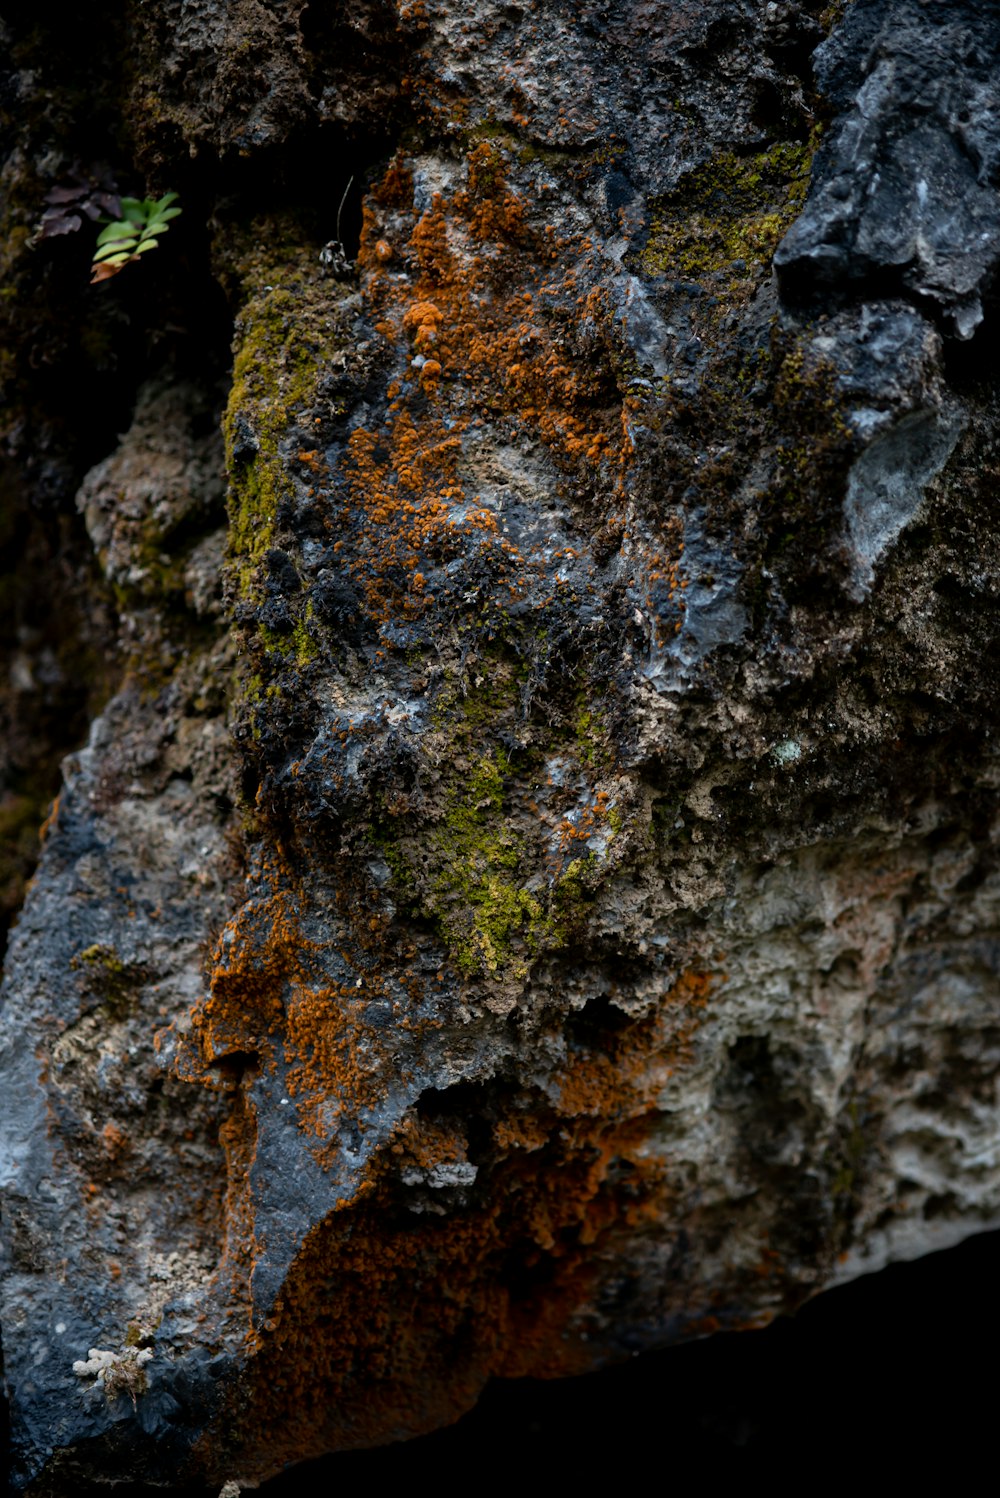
(531, 892)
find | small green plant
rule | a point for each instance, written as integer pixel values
(138, 230)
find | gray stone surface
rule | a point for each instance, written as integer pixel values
(905, 187)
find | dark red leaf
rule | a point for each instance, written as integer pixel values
(65, 194)
(60, 224)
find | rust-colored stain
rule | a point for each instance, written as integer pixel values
(390, 1320)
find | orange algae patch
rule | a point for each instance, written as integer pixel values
(490, 310)
(114, 1140)
(271, 999)
(406, 479)
(392, 1322)
(337, 1065)
(238, 1137)
(421, 315)
(622, 1078)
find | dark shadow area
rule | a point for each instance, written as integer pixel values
(889, 1366)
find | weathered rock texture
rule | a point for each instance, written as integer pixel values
(533, 892)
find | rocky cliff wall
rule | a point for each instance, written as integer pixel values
(531, 894)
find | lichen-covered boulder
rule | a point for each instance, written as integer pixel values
(533, 895)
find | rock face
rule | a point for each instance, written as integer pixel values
(533, 892)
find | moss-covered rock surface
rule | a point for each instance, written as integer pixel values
(514, 576)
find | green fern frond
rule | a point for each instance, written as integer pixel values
(142, 223)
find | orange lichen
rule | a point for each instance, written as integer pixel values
(406, 478)
(393, 1320)
(624, 1077)
(51, 821)
(271, 997)
(114, 1140)
(490, 310)
(238, 1138)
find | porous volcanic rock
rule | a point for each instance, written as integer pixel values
(533, 894)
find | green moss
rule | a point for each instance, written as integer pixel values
(573, 900)
(831, 16)
(97, 955)
(297, 646)
(491, 919)
(733, 209)
(583, 725)
(467, 713)
(484, 910)
(474, 887)
(274, 374)
(285, 335)
(305, 646)
(489, 870)
(487, 129)
(109, 978)
(515, 147)
(405, 883)
(591, 740)
(500, 912)
(288, 330)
